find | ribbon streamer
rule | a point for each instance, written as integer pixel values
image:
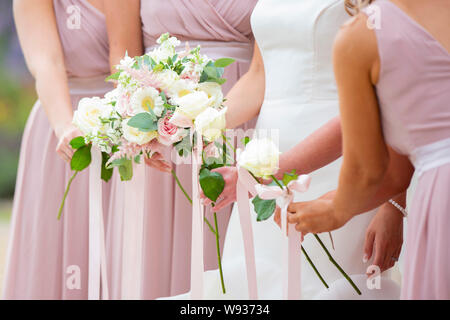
(291, 265)
(244, 185)
(97, 277)
(133, 234)
(197, 262)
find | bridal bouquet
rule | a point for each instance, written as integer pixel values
(163, 98)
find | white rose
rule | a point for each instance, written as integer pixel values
(134, 135)
(214, 92)
(210, 123)
(167, 78)
(260, 157)
(87, 115)
(145, 98)
(193, 104)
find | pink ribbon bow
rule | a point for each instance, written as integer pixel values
(291, 243)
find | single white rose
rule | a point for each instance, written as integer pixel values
(134, 135)
(144, 99)
(214, 92)
(193, 104)
(260, 157)
(210, 123)
(166, 78)
(87, 115)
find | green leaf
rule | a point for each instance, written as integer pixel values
(163, 96)
(114, 76)
(137, 159)
(245, 140)
(203, 77)
(106, 173)
(144, 121)
(212, 184)
(264, 208)
(220, 81)
(289, 176)
(77, 142)
(125, 168)
(211, 72)
(223, 62)
(81, 159)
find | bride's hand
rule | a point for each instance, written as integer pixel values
(65, 135)
(228, 194)
(384, 237)
(315, 216)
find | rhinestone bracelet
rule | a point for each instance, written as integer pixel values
(399, 207)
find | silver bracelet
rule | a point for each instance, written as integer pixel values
(399, 207)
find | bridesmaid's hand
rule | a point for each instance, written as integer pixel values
(65, 135)
(315, 216)
(384, 237)
(228, 194)
(157, 161)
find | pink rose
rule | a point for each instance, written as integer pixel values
(168, 132)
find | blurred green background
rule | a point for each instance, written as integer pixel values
(17, 96)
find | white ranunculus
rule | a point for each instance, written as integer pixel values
(167, 78)
(134, 135)
(87, 115)
(214, 92)
(193, 104)
(180, 88)
(260, 157)
(145, 98)
(210, 123)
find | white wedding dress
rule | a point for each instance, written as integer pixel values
(295, 38)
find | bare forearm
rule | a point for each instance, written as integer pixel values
(53, 93)
(125, 36)
(39, 38)
(245, 99)
(316, 151)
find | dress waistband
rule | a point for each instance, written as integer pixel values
(431, 156)
(240, 51)
(91, 86)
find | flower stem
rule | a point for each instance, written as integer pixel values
(181, 187)
(219, 260)
(314, 267)
(276, 181)
(190, 200)
(65, 194)
(228, 143)
(337, 265)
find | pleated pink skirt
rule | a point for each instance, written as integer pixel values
(427, 258)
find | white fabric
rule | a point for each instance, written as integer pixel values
(295, 38)
(431, 156)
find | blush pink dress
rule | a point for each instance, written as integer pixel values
(223, 29)
(41, 248)
(414, 95)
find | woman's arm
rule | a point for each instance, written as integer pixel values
(246, 97)
(314, 152)
(366, 173)
(39, 38)
(123, 22)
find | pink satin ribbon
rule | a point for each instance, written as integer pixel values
(244, 185)
(97, 277)
(291, 263)
(197, 262)
(133, 234)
